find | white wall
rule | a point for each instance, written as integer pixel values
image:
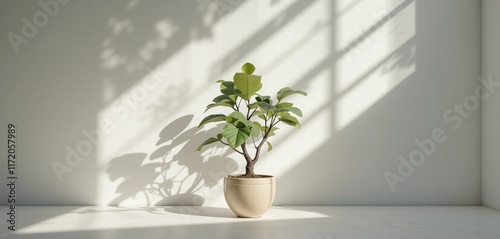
(380, 75)
(490, 107)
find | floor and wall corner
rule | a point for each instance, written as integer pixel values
(491, 114)
(106, 96)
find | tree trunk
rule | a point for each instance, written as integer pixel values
(249, 171)
(249, 168)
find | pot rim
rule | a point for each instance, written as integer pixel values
(265, 179)
(261, 176)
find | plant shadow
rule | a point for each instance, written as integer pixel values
(202, 211)
(174, 174)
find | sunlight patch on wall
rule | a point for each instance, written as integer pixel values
(298, 48)
(128, 172)
(135, 169)
(315, 131)
(271, 36)
(150, 99)
(373, 63)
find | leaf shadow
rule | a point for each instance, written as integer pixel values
(174, 174)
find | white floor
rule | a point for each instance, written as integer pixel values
(279, 222)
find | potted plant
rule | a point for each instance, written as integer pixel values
(247, 128)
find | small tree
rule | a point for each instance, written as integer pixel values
(253, 121)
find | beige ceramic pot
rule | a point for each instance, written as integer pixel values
(249, 197)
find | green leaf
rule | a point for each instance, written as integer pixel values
(253, 105)
(294, 110)
(212, 118)
(262, 116)
(287, 91)
(237, 116)
(266, 106)
(248, 68)
(256, 129)
(235, 136)
(283, 105)
(266, 98)
(228, 88)
(222, 103)
(210, 140)
(266, 128)
(257, 124)
(224, 98)
(257, 112)
(247, 84)
(269, 146)
(288, 119)
(219, 81)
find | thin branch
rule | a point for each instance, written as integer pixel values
(238, 106)
(257, 151)
(231, 147)
(247, 156)
(273, 118)
(248, 109)
(264, 139)
(276, 123)
(265, 121)
(266, 135)
(251, 115)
